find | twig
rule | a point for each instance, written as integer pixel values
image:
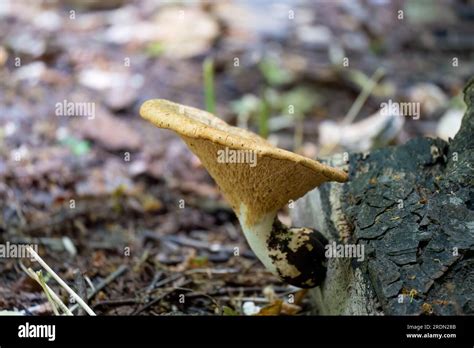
(209, 93)
(159, 298)
(118, 272)
(212, 271)
(152, 302)
(122, 302)
(91, 285)
(170, 279)
(198, 294)
(176, 276)
(362, 97)
(197, 244)
(81, 288)
(152, 285)
(61, 282)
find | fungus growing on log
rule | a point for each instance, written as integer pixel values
(256, 190)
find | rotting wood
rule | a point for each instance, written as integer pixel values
(411, 207)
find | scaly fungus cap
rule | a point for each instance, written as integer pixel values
(278, 177)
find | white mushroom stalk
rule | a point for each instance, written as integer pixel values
(294, 254)
(255, 189)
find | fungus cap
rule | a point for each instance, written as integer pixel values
(277, 177)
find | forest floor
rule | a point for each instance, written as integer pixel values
(125, 208)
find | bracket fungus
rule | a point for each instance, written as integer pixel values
(255, 192)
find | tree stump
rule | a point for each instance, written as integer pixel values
(411, 207)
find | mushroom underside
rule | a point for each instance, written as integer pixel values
(257, 179)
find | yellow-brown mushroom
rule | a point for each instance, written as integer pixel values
(257, 185)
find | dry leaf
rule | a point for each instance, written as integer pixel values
(271, 309)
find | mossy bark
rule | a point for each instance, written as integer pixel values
(412, 208)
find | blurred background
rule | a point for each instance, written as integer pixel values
(104, 192)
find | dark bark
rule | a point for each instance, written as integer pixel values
(412, 207)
